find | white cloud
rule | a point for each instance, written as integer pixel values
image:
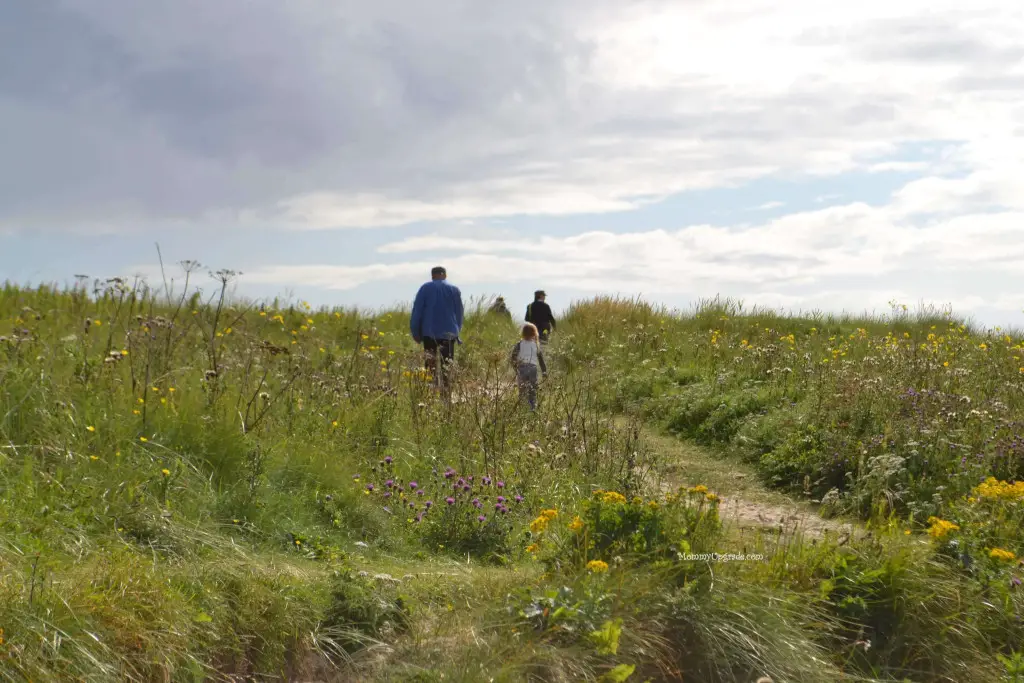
(341, 114)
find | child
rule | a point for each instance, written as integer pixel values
(526, 356)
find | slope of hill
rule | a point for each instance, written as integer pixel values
(207, 491)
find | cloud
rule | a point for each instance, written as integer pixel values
(333, 114)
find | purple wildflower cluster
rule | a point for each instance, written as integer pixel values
(454, 488)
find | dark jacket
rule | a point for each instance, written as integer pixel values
(437, 311)
(539, 313)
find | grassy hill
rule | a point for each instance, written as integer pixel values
(206, 490)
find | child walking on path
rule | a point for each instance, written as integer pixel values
(526, 359)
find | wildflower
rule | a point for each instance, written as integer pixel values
(518, 498)
(429, 504)
(711, 497)
(94, 457)
(940, 527)
(413, 485)
(355, 477)
(388, 460)
(481, 518)
(369, 487)
(450, 500)
(612, 497)
(143, 439)
(538, 525)
(334, 423)
(90, 428)
(1000, 554)
(500, 484)
(477, 504)
(501, 499)
(699, 488)
(166, 472)
(532, 548)
(576, 525)
(597, 566)
(487, 481)
(549, 514)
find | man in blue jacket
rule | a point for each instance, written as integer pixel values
(437, 321)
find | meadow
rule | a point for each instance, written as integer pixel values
(198, 488)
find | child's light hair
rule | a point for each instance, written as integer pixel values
(530, 331)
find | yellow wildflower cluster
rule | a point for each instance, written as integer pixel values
(1000, 490)
(539, 525)
(699, 488)
(597, 566)
(940, 527)
(610, 496)
(576, 525)
(1000, 554)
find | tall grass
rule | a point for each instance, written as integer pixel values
(198, 487)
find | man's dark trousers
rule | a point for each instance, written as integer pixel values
(445, 348)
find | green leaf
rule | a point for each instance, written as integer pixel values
(607, 638)
(619, 673)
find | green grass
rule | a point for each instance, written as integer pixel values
(185, 494)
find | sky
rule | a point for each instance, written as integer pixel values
(800, 155)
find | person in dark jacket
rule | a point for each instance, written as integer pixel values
(436, 322)
(539, 313)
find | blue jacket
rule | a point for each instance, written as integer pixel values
(437, 311)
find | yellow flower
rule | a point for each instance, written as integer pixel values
(143, 439)
(940, 527)
(263, 314)
(94, 457)
(711, 497)
(613, 497)
(136, 412)
(577, 524)
(532, 548)
(166, 472)
(538, 525)
(365, 337)
(1000, 490)
(97, 323)
(141, 400)
(124, 352)
(699, 488)
(91, 428)
(171, 389)
(1000, 554)
(597, 566)
(549, 514)
(334, 423)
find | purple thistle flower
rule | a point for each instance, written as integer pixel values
(369, 487)
(519, 499)
(481, 518)
(412, 485)
(449, 473)
(429, 504)
(501, 499)
(388, 460)
(420, 492)
(504, 510)
(487, 481)
(466, 487)
(388, 494)
(476, 503)
(419, 518)
(500, 484)
(498, 507)
(460, 482)
(389, 483)
(450, 500)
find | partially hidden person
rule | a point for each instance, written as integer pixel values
(527, 359)
(436, 322)
(500, 308)
(539, 313)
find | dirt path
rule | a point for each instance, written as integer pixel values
(747, 505)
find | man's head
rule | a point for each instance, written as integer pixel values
(539, 295)
(438, 273)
